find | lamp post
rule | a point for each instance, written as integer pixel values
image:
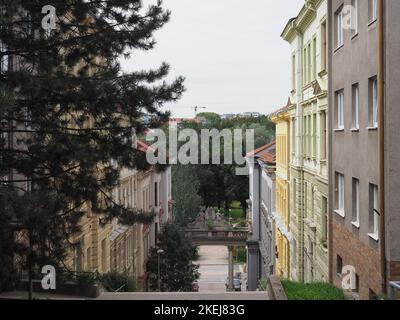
(159, 252)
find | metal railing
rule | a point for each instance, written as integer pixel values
(394, 290)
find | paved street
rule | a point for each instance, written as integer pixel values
(214, 269)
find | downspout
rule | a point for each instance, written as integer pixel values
(329, 146)
(381, 124)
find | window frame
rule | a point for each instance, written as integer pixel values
(356, 203)
(339, 21)
(340, 109)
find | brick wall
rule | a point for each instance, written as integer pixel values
(354, 252)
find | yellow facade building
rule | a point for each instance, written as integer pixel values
(282, 215)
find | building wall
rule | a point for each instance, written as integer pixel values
(354, 153)
(392, 138)
(309, 167)
(282, 194)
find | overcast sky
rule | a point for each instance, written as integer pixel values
(229, 51)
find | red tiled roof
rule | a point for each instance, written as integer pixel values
(266, 153)
(254, 152)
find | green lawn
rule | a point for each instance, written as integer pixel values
(312, 291)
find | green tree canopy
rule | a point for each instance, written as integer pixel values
(176, 268)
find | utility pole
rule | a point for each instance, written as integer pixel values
(159, 252)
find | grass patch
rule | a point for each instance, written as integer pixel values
(312, 291)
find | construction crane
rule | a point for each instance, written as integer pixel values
(196, 108)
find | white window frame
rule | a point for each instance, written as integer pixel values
(375, 103)
(340, 195)
(356, 107)
(374, 10)
(340, 109)
(356, 203)
(374, 215)
(354, 16)
(340, 28)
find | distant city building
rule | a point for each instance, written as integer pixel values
(261, 207)
(228, 116)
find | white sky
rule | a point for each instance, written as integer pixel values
(229, 51)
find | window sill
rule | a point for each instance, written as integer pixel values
(356, 224)
(354, 36)
(340, 213)
(338, 48)
(338, 130)
(354, 129)
(372, 128)
(374, 236)
(372, 22)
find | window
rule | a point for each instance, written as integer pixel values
(340, 194)
(339, 28)
(89, 259)
(356, 106)
(104, 256)
(294, 72)
(156, 202)
(354, 17)
(373, 104)
(357, 287)
(304, 66)
(373, 10)
(339, 265)
(340, 109)
(309, 62)
(324, 222)
(4, 60)
(314, 62)
(323, 135)
(356, 203)
(374, 212)
(314, 136)
(294, 254)
(324, 50)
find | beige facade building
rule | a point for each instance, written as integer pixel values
(308, 109)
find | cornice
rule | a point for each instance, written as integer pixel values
(299, 24)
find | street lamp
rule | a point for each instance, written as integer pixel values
(159, 252)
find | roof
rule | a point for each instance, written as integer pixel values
(266, 153)
(279, 112)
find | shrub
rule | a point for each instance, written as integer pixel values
(241, 254)
(121, 282)
(262, 285)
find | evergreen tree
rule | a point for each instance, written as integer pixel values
(185, 192)
(73, 111)
(177, 272)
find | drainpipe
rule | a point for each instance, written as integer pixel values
(381, 104)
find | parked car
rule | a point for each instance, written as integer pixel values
(237, 284)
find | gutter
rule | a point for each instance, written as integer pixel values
(381, 125)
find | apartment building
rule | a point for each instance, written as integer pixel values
(261, 241)
(363, 127)
(308, 113)
(149, 191)
(283, 234)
